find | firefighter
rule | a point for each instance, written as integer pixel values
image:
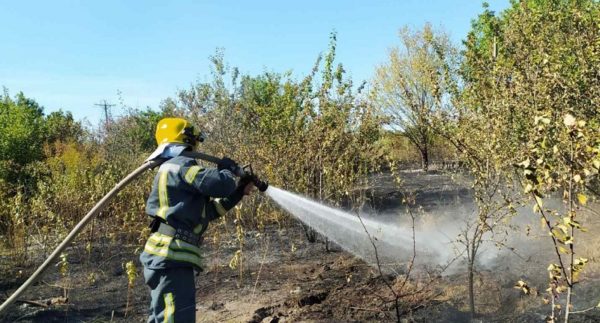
(185, 197)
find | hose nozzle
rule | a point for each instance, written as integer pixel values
(261, 185)
(247, 173)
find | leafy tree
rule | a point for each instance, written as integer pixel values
(491, 186)
(413, 86)
(21, 135)
(131, 136)
(531, 74)
(61, 126)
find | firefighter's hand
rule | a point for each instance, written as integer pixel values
(249, 188)
(228, 164)
(245, 185)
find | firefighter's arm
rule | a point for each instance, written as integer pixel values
(210, 182)
(219, 206)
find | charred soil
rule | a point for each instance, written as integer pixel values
(280, 277)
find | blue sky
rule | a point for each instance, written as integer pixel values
(72, 54)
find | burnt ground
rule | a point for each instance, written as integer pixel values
(431, 191)
(282, 278)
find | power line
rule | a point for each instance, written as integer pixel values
(106, 107)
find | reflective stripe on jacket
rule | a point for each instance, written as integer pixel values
(186, 196)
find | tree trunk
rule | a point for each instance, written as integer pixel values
(311, 235)
(471, 288)
(568, 303)
(424, 158)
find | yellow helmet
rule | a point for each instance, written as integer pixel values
(177, 130)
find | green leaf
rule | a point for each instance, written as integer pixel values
(524, 163)
(563, 228)
(568, 240)
(582, 199)
(539, 200)
(570, 222)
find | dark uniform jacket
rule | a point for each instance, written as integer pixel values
(186, 196)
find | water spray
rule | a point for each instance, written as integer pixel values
(343, 228)
(355, 233)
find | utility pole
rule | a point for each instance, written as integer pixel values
(106, 107)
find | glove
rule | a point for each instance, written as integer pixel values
(228, 164)
(245, 180)
(243, 183)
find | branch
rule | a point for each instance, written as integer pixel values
(391, 288)
(564, 270)
(586, 310)
(414, 255)
(261, 264)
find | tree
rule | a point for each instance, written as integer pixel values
(61, 126)
(491, 187)
(131, 136)
(472, 129)
(532, 74)
(21, 135)
(412, 86)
